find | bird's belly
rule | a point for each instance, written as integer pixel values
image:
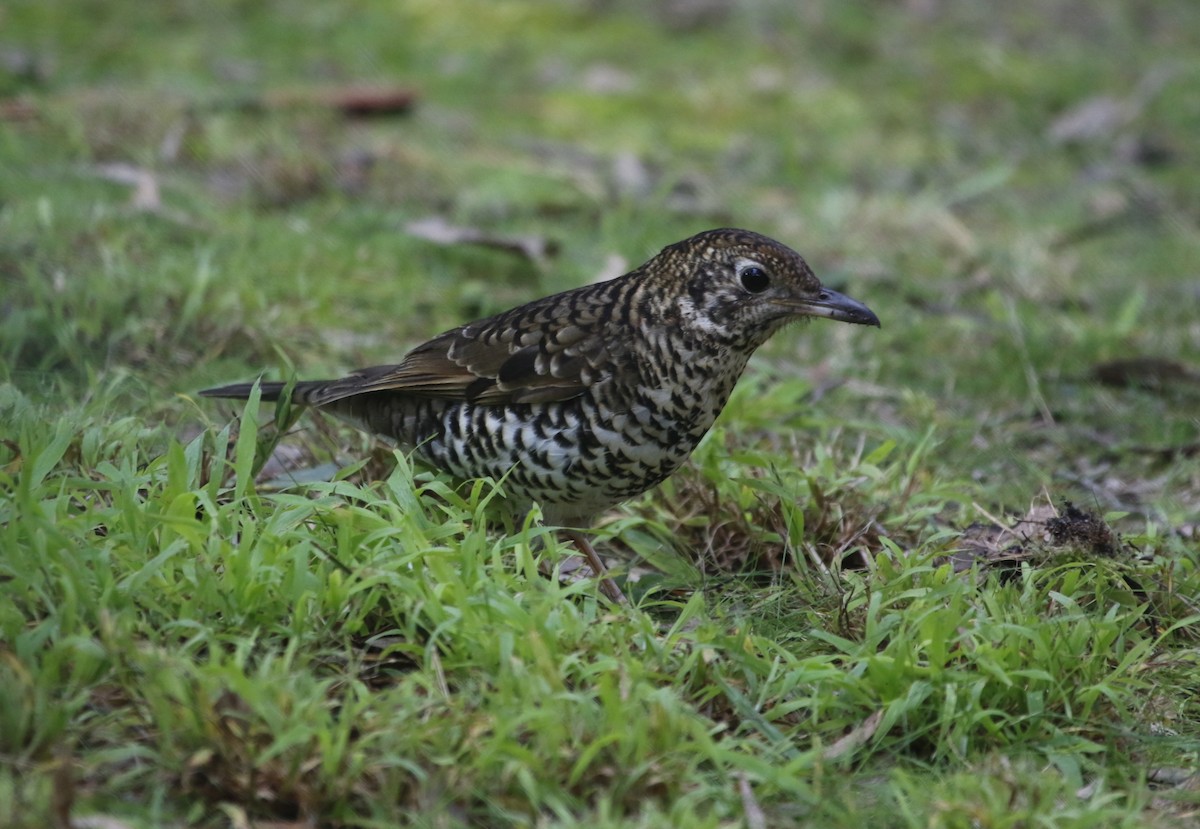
(561, 452)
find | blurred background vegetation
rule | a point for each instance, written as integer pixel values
(197, 192)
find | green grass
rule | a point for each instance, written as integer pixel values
(184, 642)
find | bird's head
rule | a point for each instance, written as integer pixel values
(740, 287)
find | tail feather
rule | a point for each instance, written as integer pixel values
(271, 391)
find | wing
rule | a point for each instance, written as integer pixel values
(551, 349)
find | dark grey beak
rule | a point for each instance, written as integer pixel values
(838, 307)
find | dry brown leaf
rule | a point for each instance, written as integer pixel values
(100, 822)
(145, 194)
(858, 736)
(1090, 119)
(538, 249)
(755, 818)
(1155, 373)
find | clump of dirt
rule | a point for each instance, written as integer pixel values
(842, 524)
(1084, 531)
(1066, 529)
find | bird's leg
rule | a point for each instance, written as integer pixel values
(607, 585)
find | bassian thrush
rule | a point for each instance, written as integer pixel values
(585, 398)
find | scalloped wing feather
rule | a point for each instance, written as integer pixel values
(536, 354)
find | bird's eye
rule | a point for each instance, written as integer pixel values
(754, 279)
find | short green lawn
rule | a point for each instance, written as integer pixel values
(205, 620)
